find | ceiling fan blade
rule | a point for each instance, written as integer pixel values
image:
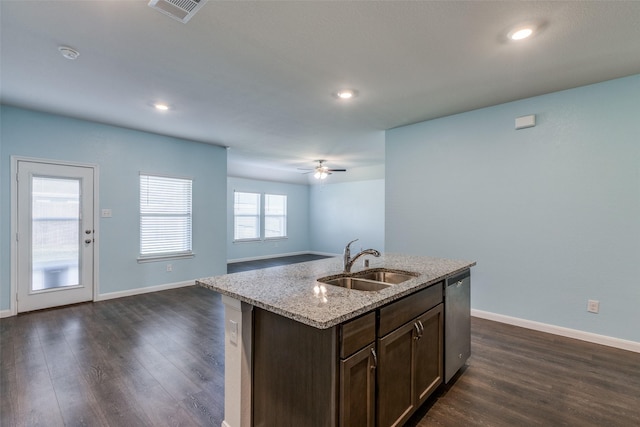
(337, 170)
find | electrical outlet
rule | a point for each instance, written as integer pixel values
(169, 267)
(233, 332)
(593, 306)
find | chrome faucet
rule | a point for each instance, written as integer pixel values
(348, 261)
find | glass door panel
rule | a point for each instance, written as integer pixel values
(55, 232)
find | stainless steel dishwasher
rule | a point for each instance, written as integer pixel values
(457, 323)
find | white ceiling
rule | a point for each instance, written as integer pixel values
(258, 76)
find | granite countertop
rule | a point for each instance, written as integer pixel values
(292, 290)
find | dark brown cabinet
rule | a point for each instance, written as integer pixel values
(375, 370)
(294, 373)
(429, 354)
(410, 367)
(358, 389)
(395, 375)
(358, 371)
(410, 344)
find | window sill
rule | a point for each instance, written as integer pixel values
(157, 258)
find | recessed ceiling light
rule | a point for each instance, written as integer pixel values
(68, 52)
(160, 106)
(346, 94)
(520, 33)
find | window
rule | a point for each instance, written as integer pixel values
(251, 216)
(246, 214)
(165, 216)
(275, 216)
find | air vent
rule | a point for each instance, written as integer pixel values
(182, 10)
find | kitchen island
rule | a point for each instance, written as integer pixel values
(286, 335)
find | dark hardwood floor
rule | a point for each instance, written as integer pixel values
(158, 360)
(149, 360)
(271, 262)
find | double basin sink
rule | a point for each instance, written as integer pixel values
(369, 280)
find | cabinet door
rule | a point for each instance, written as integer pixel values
(428, 354)
(357, 389)
(395, 375)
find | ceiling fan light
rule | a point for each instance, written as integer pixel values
(321, 173)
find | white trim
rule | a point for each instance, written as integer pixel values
(164, 175)
(6, 313)
(13, 304)
(237, 362)
(145, 290)
(13, 307)
(559, 330)
(96, 230)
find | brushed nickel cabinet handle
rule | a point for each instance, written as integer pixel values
(418, 334)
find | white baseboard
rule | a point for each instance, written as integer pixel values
(139, 291)
(6, 313)
(559, 330)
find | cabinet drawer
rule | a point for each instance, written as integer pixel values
(357, 333)
(400, 312)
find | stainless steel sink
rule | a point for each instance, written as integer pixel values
(355, 283)
(390, 277)
(369, 280)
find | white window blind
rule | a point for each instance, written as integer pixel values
(246, 216)
(275, 216)
(165, 215)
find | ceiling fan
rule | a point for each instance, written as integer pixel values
(321, 171)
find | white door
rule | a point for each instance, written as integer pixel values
(55, 241)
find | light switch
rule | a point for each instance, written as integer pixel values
(106, 213)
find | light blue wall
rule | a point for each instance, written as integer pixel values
(345, 211)
(121, 154)
(297, 220)
(551, 213)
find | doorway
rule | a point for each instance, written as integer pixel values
(55, 238)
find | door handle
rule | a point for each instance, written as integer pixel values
(87, 241)
(87, 231)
